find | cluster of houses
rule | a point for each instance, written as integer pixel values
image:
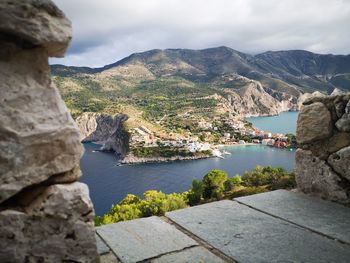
(146, 138)
(142, 135)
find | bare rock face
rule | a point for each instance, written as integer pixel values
(323, 160)
(105, 130)
(45, 215)
(255, 101)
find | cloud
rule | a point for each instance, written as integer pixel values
(108, 30)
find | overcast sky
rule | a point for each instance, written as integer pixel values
(106, 31)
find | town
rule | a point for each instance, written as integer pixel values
(210, 137)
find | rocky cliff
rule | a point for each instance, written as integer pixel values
(105, 130)
(323, 159)
(45, 214)
(254, 100)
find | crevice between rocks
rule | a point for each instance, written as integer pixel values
(28, 194)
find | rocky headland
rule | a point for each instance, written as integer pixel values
(132, 159)
(106, 130)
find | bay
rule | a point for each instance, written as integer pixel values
(109, 183)
(286, 122)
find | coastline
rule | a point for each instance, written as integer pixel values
(131, 159)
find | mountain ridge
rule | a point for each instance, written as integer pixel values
(160, 86)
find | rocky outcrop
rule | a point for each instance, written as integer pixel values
(105, 130)
(253, 100)
(323, 159)
(45, 215)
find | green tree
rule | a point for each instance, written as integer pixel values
(130, 199)
(196, 192)
(214, 184)
(233, 182)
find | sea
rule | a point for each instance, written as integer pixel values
(110, 183)
(282, 123)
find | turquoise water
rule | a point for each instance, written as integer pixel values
(109, 183)
(286, 122)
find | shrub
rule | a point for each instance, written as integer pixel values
(248, 191)
(214, 184)
(255, 177)
(233, 182)
(263, 176)
(196, 192)
(285, 182)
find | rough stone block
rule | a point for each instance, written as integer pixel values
(39, 138)
(340, 162)
(57, 226)
(317, 177)
(33, 23)
(314, 123)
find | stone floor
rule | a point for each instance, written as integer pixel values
(278, 226)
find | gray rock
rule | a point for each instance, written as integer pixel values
(322, 149)
(41, 220)
(314, 123)
(106, 130)
(340, 162)
(322, 216)
(313, 175)
(343, 124)
(57, 226)
(337, 91)
(39, 138)
(34, 23)
(339, 108)
(191, 255)
(248, 235)
(144, 238)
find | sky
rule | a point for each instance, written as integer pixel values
(105, 31)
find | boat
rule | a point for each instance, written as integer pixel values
(218, 154)
(226, 152)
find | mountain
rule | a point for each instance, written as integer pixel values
(157, 87)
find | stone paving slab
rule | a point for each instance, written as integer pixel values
(101, 246)
(144, 238)
(322, 216)
(247, 235)
(191, 255)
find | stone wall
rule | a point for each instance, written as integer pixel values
(323, 159)
(45, 214)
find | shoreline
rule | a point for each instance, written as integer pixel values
(131, 159)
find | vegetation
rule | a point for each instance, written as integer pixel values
(166, 152)
(215, 185)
